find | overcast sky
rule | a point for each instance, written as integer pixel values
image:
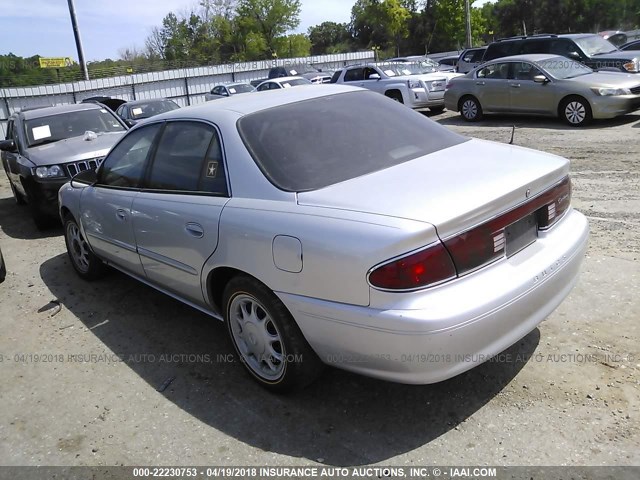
(43, 27)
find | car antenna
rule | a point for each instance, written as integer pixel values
(513, 133)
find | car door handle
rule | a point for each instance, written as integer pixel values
(121, 215)
(515, 85)
(480, 83)
(194, 229)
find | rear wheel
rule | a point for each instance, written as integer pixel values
(470, 109)
(267, 338)
(84, 261)
(576, 111)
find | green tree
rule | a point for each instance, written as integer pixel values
(329, 37)
(270, 18)
(396, 17)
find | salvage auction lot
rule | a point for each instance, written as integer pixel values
(121, 374)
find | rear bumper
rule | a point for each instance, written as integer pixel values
(610, 106)
(450, 329)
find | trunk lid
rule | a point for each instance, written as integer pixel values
(453, 189)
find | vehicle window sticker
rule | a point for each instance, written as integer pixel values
(136, 111)
(286, 85)
(212, 170)
(232, 90)
(39, 133)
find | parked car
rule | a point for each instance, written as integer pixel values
(543, 85)
(309, 72)
(395, 81)
(133, 112)
(3, 268)
(423, 60)
(368, 251)
(616, 37)
(112, 103)
(45, 147)
(448, 63)
(228, 90)
(589, 49)
(634, 45)
(284, 82)
(470, 59)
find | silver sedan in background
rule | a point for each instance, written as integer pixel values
(543, 85)
(394, 247)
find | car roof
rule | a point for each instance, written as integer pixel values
(58, 109)
(247, 104)
(530, 57)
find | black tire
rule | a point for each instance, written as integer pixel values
(261, 329)
(470, 109)
(436, 110)
(575, 111)
(395, 95)
(90, 267)
(17, 195)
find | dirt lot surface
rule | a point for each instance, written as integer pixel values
(567, 394)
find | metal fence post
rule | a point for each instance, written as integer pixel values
(186, 90)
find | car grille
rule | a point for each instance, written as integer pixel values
(635, 90)
(74, 168)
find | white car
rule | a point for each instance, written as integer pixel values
(402, 82)
(282, 82)
(394, 247)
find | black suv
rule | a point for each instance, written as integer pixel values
(45, 147)
(589, 49)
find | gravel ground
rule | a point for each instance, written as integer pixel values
(567, 394)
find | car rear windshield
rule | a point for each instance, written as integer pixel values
(149, 109)
(326, 140)
(70, 124)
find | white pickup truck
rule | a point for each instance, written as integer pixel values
(403, 82)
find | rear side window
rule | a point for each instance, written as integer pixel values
(188, 159)
(336, 76)
(495, 71)
(478, 55)
(535, 46)
(318, 142)
(354, 75)
(502, 49)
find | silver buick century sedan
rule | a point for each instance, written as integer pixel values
(548, 85)
(334, 226)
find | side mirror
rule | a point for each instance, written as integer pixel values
(574, 56)
(374, 76)
(84, 178)
(8, 146)
(540, 79)
(130, 123)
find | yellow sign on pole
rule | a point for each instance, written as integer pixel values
(55, 62)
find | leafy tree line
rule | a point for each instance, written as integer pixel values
(226, 31)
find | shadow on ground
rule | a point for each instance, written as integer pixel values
(16, 222)
(342, 419)
(498, 121)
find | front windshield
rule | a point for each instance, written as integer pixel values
(240, 88)
(149, 109)
(417, 68)
(563, 68)
(595, 45)
(71, 124)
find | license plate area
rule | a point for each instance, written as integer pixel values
(520, 234)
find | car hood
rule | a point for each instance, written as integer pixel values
(618, 55)
(73, 149)
(608, 79)
(453, 189)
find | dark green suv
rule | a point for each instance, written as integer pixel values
(590, 49)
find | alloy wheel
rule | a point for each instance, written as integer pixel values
(78, 248)
(575, 112)
(257, 337)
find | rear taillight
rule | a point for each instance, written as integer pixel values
(427, 267)
(472, 249)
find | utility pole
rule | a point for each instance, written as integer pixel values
(468, 15)
(76, 34)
